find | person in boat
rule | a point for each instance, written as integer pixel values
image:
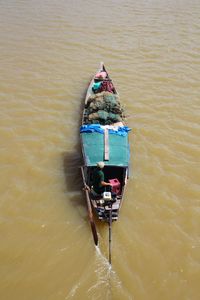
(99, 185)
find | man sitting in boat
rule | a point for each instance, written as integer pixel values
(99, 184)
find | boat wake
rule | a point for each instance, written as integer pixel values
(106, 276)
(107, 284)
(104, 281)
(104, 261)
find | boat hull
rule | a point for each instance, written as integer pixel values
(105, 142)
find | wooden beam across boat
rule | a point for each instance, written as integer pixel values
(106, 144)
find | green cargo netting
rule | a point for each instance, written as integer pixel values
(103, 108)
(93, 149)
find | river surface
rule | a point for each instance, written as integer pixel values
(49, 50)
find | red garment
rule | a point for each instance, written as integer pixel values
(107, 86)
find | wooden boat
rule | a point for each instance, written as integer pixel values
(104, 138)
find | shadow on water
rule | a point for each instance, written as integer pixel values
(72, 161)
(73, 181)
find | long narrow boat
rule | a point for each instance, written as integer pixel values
(104, 137)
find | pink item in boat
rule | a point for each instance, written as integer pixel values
(116, 186)
(101, 75)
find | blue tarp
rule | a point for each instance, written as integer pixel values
(121, 130)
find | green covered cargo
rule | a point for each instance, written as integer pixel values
(93, 149)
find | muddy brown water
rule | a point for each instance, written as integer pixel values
(49, 50)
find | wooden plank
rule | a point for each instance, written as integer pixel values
(106, 144)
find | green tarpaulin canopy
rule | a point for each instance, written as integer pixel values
(93, 149)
